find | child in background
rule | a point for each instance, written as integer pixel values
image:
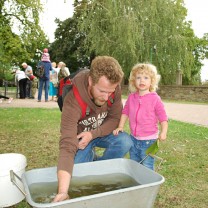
(53, 82)
(45, 55)
(144, 109)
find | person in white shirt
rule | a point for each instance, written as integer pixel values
(67, 70)
(59, 65)
(21, 79)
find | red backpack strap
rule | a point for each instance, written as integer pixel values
(62, 83)
(111, 99)
(84, 107)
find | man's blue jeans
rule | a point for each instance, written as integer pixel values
(115, 147)
(42, 82)
(137, 152)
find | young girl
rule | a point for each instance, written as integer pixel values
(144, 109)
(45, 55)
(53, 82)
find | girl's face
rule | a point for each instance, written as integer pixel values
(143, 83)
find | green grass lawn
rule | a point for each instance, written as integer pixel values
(35, 134)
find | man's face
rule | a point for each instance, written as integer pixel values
(101, 91)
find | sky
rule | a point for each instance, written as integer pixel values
(63, 9)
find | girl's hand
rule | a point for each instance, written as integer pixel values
(162, 136)
(116, 131)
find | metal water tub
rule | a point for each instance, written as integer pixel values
(141, 196)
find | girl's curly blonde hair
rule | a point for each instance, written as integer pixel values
(145, 68)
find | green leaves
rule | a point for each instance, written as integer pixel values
(153, 149)
(20, 33)
(143, 31)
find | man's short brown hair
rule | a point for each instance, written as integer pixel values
(106, 66)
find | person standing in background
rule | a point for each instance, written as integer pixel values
(63, 72)
(62, 65)
(28, 73)
(46, 63)
(34, 81)
(67, 70)
(21, 80)
(53, 82)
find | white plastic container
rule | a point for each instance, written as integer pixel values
(141, 196)
(12, 166)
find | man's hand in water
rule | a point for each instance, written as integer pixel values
(61, 197)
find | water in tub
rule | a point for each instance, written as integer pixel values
(82, 186)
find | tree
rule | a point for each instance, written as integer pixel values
(143, 31)
(20, 33)
(132, 31)
(69, 41)
(67, 46)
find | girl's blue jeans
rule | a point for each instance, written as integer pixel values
(137, 152)
(115, 147)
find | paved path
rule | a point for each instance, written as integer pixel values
(190, 113)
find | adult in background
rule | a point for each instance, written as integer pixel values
(67, 70)
(29, 73)
(62, 71)
(79, 135)
(34, 81)
(44, 81)
(21, 80)
(61, 67)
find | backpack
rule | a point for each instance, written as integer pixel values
(65, 85)
(40, 71)
(62, 74)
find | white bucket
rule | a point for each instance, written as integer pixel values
(10, 163)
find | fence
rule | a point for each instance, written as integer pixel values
(9, 89)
